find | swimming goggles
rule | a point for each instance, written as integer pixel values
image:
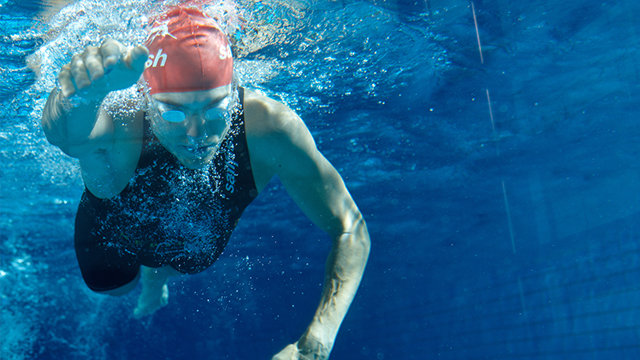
(170, 114)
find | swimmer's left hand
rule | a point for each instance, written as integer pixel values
(312, 351)
(291, 352)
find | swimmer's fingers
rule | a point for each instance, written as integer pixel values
(66, 83)
(93, 62)
(136, 58)
(111, 52)
(79, 73)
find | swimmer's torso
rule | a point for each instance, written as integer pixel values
(171, 215)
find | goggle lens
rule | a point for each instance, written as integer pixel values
(177, 116)
(215, 113)
(174, 116)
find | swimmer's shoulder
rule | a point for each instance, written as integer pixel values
(264, 116)
(273, 131)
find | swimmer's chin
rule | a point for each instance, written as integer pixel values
(194, 160)
(196, 163)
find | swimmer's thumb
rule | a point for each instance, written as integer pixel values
(136, 58)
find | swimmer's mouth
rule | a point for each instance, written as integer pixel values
(197, 149)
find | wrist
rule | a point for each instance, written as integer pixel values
(60, 116)
(316, 342)
(68, 103)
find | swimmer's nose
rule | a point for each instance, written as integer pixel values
(196, 127)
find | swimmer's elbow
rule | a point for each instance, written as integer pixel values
(53, 125)
(363, 237)
(55, 138)
(356, 238)
(75, 150)
(72, 150)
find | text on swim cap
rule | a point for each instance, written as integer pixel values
(153, 59)
(225, 52)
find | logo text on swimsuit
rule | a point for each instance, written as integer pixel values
(231, 167)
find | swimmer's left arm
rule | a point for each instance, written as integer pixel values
(317, 188)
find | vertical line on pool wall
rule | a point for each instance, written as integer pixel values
(524, 308)
(475, 22)
(427, 4)
(506, 205)
(493, 125)
(540, 210)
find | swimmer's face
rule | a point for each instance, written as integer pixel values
(191, 125)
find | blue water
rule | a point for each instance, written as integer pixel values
(506, 229)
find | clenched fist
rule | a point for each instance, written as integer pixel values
(99, 70)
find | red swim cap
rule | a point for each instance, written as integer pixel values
(187, 52)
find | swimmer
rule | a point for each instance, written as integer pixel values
(167, 182)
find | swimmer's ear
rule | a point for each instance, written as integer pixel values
(136, 58)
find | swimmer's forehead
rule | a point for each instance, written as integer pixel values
(194, 98)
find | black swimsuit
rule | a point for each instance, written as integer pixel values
(167, 214)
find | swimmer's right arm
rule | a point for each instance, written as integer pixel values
(70, 128)
(73, 119)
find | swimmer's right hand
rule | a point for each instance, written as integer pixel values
(100, 70)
